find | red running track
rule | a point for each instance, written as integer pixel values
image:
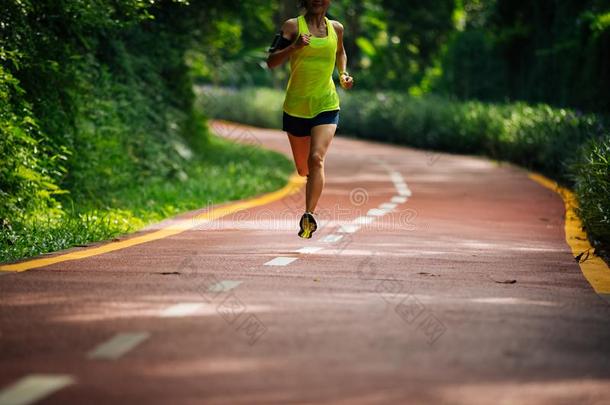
(460, 290)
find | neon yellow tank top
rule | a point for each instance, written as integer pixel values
(311, 89)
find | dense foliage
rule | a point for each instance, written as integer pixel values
(556, 52)
(83, 98)
(591, 174)
(97, 113)
(568, 146)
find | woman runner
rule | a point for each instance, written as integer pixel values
(313, 43)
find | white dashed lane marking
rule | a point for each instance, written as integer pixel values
(225, 285)
(376, 212)
(310, 249)
(118, 345)
(280, 261)
(348, 228)
(33, 388)
(387, 206)
(182, 309)
(396, 176)
(332, 238)
(363, 220)
(399, 199)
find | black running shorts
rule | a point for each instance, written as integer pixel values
(302, 126)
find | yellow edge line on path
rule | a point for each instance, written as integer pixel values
(294, 185)
(594, 269)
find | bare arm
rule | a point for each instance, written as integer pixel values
(289, 32)
(345, 79)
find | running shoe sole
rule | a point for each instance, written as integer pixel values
(308, 226)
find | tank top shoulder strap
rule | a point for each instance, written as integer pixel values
(303, 29)
(331, 28)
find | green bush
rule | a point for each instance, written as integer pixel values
(255, 106)
(28, 166)
(567, 146)
(537, 137)
(94, 98)
(591, 174)
(99, 133)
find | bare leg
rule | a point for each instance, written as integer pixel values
(321, 137)
(300, 152)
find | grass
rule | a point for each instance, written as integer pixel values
(227, 172)
(592, 187)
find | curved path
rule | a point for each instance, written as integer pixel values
(433, 278)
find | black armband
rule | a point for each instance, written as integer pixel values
(279, 42)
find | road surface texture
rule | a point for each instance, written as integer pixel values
(432, 279)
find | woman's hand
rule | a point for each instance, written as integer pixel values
(302, 41)
(346, 81)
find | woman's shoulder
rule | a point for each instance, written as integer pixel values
(337, 25)
(290, 24)
(290, 28)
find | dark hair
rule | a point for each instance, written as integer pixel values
(301, 4)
